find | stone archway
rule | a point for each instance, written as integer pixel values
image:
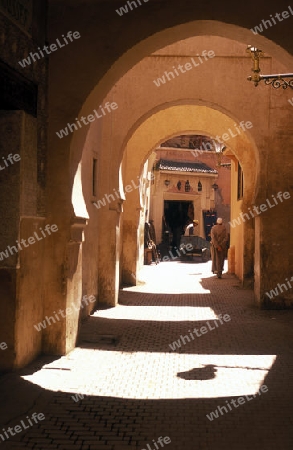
(172, 121)
(68, 153)
(149, 45)
(109, 271)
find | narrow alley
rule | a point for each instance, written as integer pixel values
(126, 384)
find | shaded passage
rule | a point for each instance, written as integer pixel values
(125, 392)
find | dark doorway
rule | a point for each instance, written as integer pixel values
(177, 214)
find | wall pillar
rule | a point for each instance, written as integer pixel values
(132, 229)
(22, 301)
(109, 251)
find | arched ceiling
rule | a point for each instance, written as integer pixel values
(153, 44)
(197, 120)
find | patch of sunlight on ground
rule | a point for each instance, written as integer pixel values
(158, 313)
(142, 375)
(174, 278)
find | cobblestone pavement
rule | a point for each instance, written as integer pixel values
(126, 384)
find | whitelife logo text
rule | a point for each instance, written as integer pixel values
(87, 120)
(187, 66)
(200, 332)
(10, 158)
(33, 57)
(271, 21)
(240, 400)
(31, 240)
(77, 397)
(124, 9)
(3, 346)
(231, 133)
(63, 314)
(161, 440)
(279, 289)
(263, 207)
(23, 426)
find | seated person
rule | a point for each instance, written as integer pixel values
(191, 229)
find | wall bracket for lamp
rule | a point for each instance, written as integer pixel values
(282, 80)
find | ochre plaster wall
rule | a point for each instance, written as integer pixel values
(132, 85)
(84, 74)
(235, 253)
(147, 136)
(114, 48)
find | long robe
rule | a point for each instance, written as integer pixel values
(219, 239)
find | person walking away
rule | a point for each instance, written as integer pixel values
(219, 239)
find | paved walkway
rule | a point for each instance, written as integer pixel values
(142, 372)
